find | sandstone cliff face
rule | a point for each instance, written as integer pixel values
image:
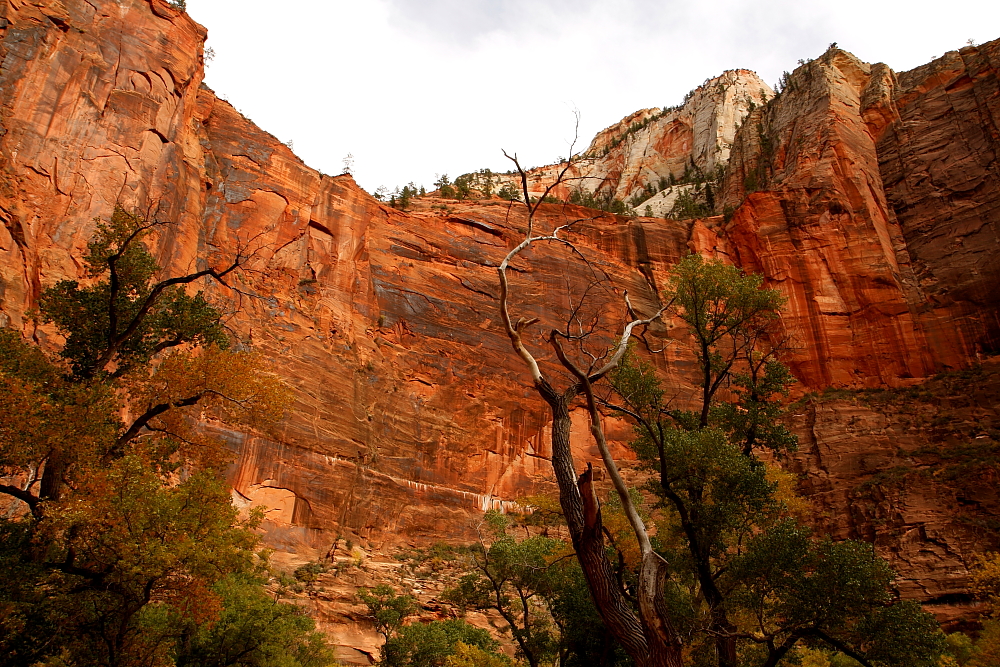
(411, 415)
(939, 162)
(912, 471)
(97, 106)
(817, 190)
(811, 213)
(651, 146)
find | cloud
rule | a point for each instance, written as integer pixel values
(417, 87)
(466, 21)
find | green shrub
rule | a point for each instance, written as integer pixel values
(430, 644)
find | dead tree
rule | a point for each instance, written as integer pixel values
(646, 632)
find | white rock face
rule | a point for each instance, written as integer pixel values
(662, 202)
(648, 147)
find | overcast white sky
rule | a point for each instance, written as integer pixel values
(415, 88)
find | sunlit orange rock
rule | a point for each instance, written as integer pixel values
(869, 198)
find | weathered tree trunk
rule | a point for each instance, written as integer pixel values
(647, 636)
(646, 641)
(51, 486)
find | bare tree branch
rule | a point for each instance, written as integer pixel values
(649, 637)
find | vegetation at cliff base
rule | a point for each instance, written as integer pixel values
(709, 561)
(119, 542)
(449, 642)
(745, 581)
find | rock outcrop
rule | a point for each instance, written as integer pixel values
(646, 152)
(939, 163)
(816, 188)
(912, 471)
(869, 198)
(809, 211)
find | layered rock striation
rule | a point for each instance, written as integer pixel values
(825, 181)
(869, 198)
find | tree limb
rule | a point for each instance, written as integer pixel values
(152, 413)
(25, 496)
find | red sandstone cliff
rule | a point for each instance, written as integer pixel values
(858, 190)
(869, 198)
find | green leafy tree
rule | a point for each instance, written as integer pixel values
(387, 609)
(445, 189)
(431, 644)
(463, 186)
(514, 578)
(32, 612)
(692, 203)
(117, 324)
(401, 198)
(125, 554)
(729, 315)
(758, 583)
(604, 202)
(130, 526)
(253, 630)
(509, 192)
(987, 651)
(121, 320)
(538, 588)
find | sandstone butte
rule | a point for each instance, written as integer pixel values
(870, 198)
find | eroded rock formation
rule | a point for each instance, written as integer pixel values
(869, 198)
(653, 147)
(825, 182)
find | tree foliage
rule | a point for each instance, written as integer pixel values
(604, 201)
(730, 316)
(986, 580)
(131, 552)
(751, 581)
(129, 559)
(125, 317)
(514, 578)
(253, 630)
(509, 192)
(444, 186)
(473, 656)
(387, 609)
(48, 416)
(432, 644)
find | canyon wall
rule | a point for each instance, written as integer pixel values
(834, 190)
(868, 197)
(410, 414)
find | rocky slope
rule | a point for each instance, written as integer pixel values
(869, 198)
